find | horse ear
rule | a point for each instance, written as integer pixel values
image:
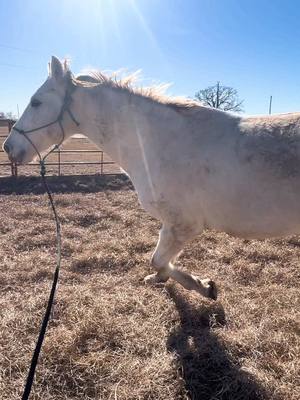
(56, 68)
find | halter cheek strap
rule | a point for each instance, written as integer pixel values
(65, 108)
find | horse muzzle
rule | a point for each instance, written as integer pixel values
(13, 155)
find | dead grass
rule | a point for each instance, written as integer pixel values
(113, 338)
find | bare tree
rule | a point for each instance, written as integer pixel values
(222, 97)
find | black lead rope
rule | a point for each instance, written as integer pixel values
(38, 346)
(40, 340)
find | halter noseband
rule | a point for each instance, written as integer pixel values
(65, 108)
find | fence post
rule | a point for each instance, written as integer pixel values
(10, 125)
(13, 166)
(101, 167)
(58, 152)
(14, 169)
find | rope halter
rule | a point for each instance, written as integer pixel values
(59, 120)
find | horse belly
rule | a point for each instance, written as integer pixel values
(257, 209)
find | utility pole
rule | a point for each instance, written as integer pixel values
(270, 105)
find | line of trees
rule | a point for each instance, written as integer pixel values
(8, 115)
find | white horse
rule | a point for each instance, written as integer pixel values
(193, 167)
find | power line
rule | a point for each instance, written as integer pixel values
(22, 49)
(15, 66)
(6, 46)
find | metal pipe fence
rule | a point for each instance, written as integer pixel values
(60, 163)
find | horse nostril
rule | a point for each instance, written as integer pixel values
(6, 148)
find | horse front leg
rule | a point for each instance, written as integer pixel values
(170, 243)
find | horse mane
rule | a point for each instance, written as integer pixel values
(128, 83)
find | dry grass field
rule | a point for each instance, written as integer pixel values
(110, 336)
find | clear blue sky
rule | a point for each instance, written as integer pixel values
(253, 46)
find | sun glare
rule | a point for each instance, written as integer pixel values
(109, 21)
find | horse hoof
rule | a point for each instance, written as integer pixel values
(211, 288)
(152, 280)
(213, 291)
(155, 280)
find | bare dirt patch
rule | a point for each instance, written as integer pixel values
(113, 338)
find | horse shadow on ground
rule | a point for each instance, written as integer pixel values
(204, 363)
(64, 184)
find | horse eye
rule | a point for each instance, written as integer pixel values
(35, 103)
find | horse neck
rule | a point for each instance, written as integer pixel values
(120, 123)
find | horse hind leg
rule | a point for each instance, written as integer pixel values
(170, 243)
